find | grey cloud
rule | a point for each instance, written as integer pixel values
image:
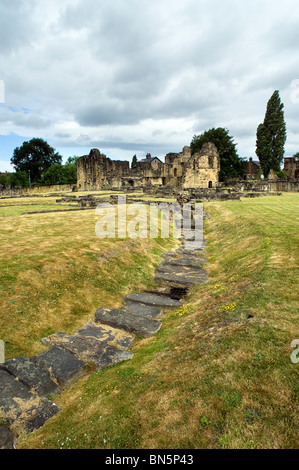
(62, 135)
(102, 65)
(140, 148)
(22, 118)
(17, 24)
(107, 114)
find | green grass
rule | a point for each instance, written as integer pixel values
(55, 273)
(10, 211)
(218, 374)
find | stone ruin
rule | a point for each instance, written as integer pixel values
(180, 170)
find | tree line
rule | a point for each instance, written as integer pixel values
(37, 163)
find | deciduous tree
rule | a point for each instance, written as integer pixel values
(35, 156)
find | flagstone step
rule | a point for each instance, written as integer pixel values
(181, 278)
(182, 251)
(152, 312)
(193, 262)
(7, 439)
(89, 349)
(190, 244)
(128, 321)
(108, 334)
(31, 375)
(192, 235)
(63, 367)
(152, 300)
(19, 404)
(184, 254)
(179, 269)
(188, 223)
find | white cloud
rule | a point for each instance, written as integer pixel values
(145, 75)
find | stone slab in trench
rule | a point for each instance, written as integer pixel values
(108, 334)
(180, 269)
(19, 406)
(180, 276)
(7, 439)
(194, 245)
(182, 262)
(89, 349)
(152, 312)
(132, 322)
(28, 373)
(38, 413)
(184, 254)
(63, 367)
(152, 300)
(182, 251)
(187, 222)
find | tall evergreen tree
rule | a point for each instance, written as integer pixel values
(271, 136)
(134, 161)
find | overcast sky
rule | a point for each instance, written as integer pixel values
(138, 76)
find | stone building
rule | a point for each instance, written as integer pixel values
(181, 170)
(251, 169)
(291, 168)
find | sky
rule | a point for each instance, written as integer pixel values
(137, 76)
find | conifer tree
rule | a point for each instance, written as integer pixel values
(134, 161)
(271, 136)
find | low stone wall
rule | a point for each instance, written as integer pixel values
(275, 185)
(37, 190)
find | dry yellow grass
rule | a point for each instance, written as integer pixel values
(214, 377)
(55, 273)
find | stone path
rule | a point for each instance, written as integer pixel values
(26, 384)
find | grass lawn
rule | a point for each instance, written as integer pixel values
(217, 375)
(55, 273)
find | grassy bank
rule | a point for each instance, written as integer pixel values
(219, 373)
(55, 273)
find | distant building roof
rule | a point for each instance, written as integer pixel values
(149, 159)
(256, 162)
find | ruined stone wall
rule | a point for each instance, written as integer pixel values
(202, 169)
(291, 168)
(154, 169)
(268, 185)
(95, 171)
(37, 190)
(180, 170)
